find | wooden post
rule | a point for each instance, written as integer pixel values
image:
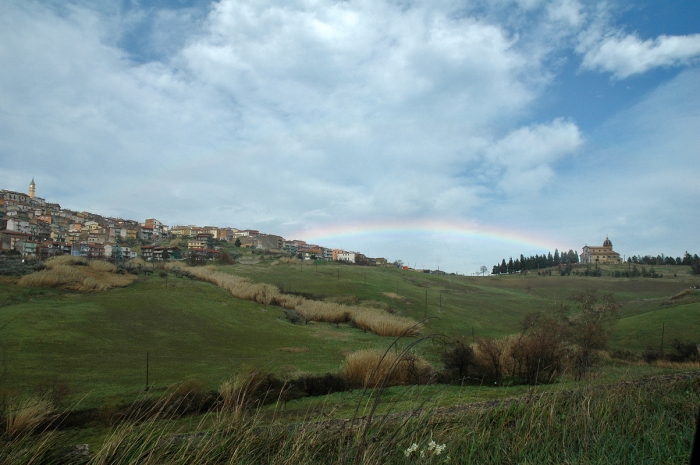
(426, 303)
(663, 326)
(147, 370)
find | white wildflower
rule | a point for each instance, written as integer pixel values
(410, 450)
(432, 445)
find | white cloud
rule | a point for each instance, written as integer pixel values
(527, 154)
(626, 55)
(281, 115)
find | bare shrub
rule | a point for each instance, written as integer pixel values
(684, 351)
(373, 368)
(538, 352)
(458, 359)
(490, 357)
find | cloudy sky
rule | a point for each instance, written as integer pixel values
(444, 133)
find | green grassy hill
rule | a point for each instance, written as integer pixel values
(96, 343)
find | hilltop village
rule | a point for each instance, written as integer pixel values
(37, 229)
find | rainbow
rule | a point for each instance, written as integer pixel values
(333, 234)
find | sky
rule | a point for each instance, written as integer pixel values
(447, 134)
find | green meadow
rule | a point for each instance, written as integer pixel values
(96, 344)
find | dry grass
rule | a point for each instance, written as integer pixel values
(375, 320)
(372, 368)
(99, 265)
(681, 294)
(395, 296)
(25, 414)
(67, 260)
(77, 274)
(136, 262)
(680, 366)
(242, 392)
(327, 312)
(289, 260)
(294, 350)
(384, 324)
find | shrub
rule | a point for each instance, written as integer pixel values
(685, 351)
(538, 352)
(458, 359)
(490, 357)
(293, 316)
(321, 385)
(651, 355)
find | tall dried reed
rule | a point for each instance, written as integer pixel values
(70, 273)
(371, 368)
(23, 415)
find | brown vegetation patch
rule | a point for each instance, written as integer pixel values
(294, 350)
(78, 274)
(373, 368)
(395, 296)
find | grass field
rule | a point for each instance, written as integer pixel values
(96, 343)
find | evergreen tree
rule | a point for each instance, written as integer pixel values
(511, 268)
(550, 259)
(504, 268)
(557, 261)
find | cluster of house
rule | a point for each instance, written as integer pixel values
(36, 228)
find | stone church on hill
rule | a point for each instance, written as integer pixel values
(603, 254)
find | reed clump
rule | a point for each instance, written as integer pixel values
(78, 274)
(370, 368)
(23, 415)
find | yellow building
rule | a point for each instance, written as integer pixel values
(32, 189)
(603, 254)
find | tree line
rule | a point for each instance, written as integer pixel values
(535, 262)
(663, 259)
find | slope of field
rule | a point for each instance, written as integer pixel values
(96, 343)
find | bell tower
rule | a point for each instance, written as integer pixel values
(32, 189)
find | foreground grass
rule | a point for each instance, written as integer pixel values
(650, 421)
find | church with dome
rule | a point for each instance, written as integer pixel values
(604, 254)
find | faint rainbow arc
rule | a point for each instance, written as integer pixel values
(337, 232)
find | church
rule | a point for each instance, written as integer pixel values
(603, 254)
